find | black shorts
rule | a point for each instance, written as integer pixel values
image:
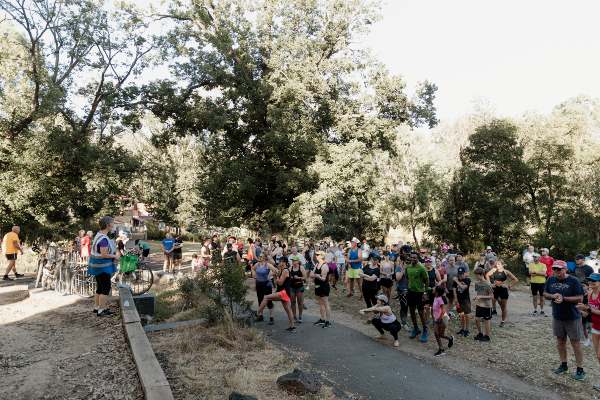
(483, 312)
(527, 274)
(322, 290)
(430, 296)
(387, 283)
(177, 256)
(415, 300)
(145, 252)
(500, 293)
(450, 294)
(537, 288)
(12, 256)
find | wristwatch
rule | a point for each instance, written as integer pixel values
(589, 310)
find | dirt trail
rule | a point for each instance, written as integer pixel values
(57, 349)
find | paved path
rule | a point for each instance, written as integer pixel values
(359, 364)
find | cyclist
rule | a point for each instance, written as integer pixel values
(144, 248)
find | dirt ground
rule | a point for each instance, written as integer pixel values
(57, 349)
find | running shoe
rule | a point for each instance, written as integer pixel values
(535, 312)
(494, 311)
(467, 334)
(327, 324)
(307, 288)
(295, 319)
(424, 337)
(450, 315)
(451, 342)
(542, 313)
(19, 275)
(375, 313)
(502, 324)
(479, 336)
(461, 332)
(105, 313)
(254, 314)
(319, 322)
(486, 338)
(6, 278)
(396, 298)
(95, 311)
(440, 352)
(586, 342)
(271, 321)
(304, 306)
(300, 320)
(580, 376)
(561, 370)
(291, 330)
(427, 324)
(361, 297)
(454, 308)
(259, 319)
(414, 333)
(344, 291)
(333, 287)
(350, 294)
(367, 322)
(597, 387)
(406, 328)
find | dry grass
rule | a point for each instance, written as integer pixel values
(212, 361)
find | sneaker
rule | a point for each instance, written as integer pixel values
(414, 333)
(327, 324)
(304, 306)
(486, 338)
(259, 319)
(295, 319)
(450, 315)
(361, 297)
(396, 298)
(561, 370)
(542, 313)
(451, 342)
(344, 291)
(427, 324)
(597, 387)
(19, 275)
(350, 294)
(580, 376)
(367, 322)
(333, 287)
(535, 312)
(319, 322)
(406, 328)
(454, 308)
(290, 330)
(424, 336)
(307, 288)
(479, 336)
(6, 278)
(105, 313)
(440, 352)
(586, 342)
(271, 321)
(95, 311)
(467, 334)
(461, 332)
(300, 320)
(254, 314)
(375, 313)
(494, 311)
(502, 324)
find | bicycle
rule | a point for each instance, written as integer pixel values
(55, 272)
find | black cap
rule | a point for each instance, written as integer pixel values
(229, 245)
(461, 270)
(580, 257)
(284, 259)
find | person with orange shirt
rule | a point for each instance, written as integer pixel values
(548, 261)
(10, 247)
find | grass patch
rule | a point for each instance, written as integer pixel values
(211, 361)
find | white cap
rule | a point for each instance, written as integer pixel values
(355, 240)
(545, 249)
(593, 254)
(274, 237)
(536, 255)
(488, 248)
(433, 251)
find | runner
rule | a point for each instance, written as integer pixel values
(401, 289)
(538, 272)
(167, 247)
(283, 293)
(434, 279)
(296, 253)
(481, 262)
(593, 261)
(483, 307)
(177, 253)
(310, 262)
(277, 250)
(10, 248)
(387, 320)
(463, 301)
(354, 261)
(585, 318)
(264, 287)
(205, 254)
(340, 261)
(452, 273)
(329, 260)
(452, 250)
(594, 310)
(231, 257)
(417, 280)
(546, 260)
(501, 288)
(566, 292)
(370, 273)
(442, 272)
(321, 278)
(460, 262)
(298, 276)
(440, 319)
(387, 272)
(582, 270)
(102, 264)
(434, 257)
(528, 258)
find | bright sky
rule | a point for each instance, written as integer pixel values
(520, 55)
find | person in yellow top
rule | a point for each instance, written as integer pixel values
(10, 247)
(537, 270)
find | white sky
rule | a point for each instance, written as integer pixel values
(520, 55)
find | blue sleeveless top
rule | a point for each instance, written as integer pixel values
(354, 256)
(262, 273)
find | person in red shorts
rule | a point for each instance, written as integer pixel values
(547, 261)
(282, 294)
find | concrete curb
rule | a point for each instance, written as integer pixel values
(154, 383)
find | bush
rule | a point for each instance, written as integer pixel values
(188, 290)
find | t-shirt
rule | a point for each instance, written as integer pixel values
(463, 264)
(437, 308)
(452, 273)
(548, 262)
(528, 258)
(583, 272)
(300, 256)
(484, 288)
(595, 263)
(443, 273)
(329, 257)
(538, 267)
(340, 258)
(168, 244)
(453, 251)
(416, 277)
(177, 250)
(7, 243)
(401, 284)
(594, 304)
(144, 246)
(121, 245)
(571, 286)
(240, 248)
(367, 270)
(462, 295)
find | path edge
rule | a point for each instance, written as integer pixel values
(152, 378)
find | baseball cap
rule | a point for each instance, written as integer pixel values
(318, 244)
(427, 259)
(295, 258)
(461, 270)
(383, 298)
(422, 251)
(593, 254)
(594, 277)
(355, 240)
(482, 254)
(580, 257)
(320, 252)
(444, 247)
(364, 240)
(386, 253)
(273, 237)
(491, 257)
(284, 259)
(433, 252)
(229, 245)
(559, 264)
(536, 255)
(488, 248)
(545, 249)
(375, 257)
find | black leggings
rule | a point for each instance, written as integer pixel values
(393, 328)
(261, 291)
(370, 296)
(103, 283)
(403, 307)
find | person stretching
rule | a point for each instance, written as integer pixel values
(440, 321)
(370, 273)
(387, 320)
(417, 280)
(283, 293)
(320, 277)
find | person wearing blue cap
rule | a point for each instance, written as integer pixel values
(593, 309)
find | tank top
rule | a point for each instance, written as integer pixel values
(262, 272)
(499, 276)
(431, 277)
(387, 319)
(387, 269)
(354, 256)
(594, 304)
(249, 255)
(318, 282)
(286, 284)
(307, 256)
(296, 284)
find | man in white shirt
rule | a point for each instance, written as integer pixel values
(593, 261)
(528, 258)
(295, 252)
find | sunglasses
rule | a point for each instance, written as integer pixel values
(556, 269)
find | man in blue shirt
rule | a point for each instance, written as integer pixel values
(566, 292)
(167, 247)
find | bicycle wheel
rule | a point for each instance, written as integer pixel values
(64, 279)
(140, 280)
(40, 272)
(83, 284)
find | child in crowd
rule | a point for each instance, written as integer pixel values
(483, 308)
(196, 262)
(440, 321)
(461, 294)
(585, 317)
